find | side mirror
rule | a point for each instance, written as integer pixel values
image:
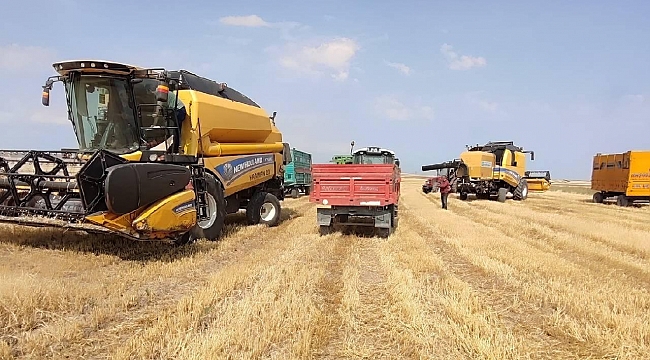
(45, 98)
(532, 155)
(397, 162)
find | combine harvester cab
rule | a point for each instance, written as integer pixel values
(367, 189)
(163, 155)
(625, 176)
(490, 171)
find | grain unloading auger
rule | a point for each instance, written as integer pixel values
(162, 155)
(492, 170)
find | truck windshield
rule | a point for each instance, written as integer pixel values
(102, 113)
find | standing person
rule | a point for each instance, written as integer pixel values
(445, 189)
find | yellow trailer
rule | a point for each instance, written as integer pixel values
(625, 176)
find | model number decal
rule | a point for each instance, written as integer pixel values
(260, 174)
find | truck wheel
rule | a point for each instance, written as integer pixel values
(598, 198)
(263, 208)
(502, 194)
(307, 189)
(521, 192)
(211, 227)
(325, 229)
(463, 195)
(294, 193)
(384, 232)
(622, 200)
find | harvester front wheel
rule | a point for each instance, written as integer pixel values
(211, 227)
(263, 208)
(521, 192)
(502, 194)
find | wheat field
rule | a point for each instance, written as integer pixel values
(553, 277)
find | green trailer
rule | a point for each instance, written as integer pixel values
(297, 174)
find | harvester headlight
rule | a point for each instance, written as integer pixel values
(325, 202)
(153, 157)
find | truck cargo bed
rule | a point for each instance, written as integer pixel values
(355, 184)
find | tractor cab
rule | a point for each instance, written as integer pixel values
(374, 155)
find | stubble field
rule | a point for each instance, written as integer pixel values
(552, 277)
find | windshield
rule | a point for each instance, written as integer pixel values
(103, 113)
(373, 159)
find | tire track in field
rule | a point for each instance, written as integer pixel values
(590, 317)
(634, 220)
(331, 293)
(211, 261)
(549, 240)
(525, 320)
(364, 329)
(567, 225)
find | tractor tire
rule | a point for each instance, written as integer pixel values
(210, 228)
(263, 208)
(598, 198)
(521, 192)
(502, 195)
(622, 200)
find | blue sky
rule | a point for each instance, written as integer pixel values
(423, 78)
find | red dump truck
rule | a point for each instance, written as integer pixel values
(367, 189)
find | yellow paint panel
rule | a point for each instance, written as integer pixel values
(175, 213)
(479, 163)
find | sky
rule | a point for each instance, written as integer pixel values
(423, 78)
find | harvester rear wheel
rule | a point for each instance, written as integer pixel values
(502, 194)
(211, 227)
(263, 208)
(521, 192)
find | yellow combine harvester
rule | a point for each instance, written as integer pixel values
(162, 155)
(493, 170)
(625, 176)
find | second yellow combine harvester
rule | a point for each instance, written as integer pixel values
(162, 155)
(493, 170)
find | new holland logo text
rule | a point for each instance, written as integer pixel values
(232, 170)
(184, 207)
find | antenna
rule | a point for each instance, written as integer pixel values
(351, 147)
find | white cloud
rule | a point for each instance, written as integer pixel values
(391, 107)
(400, 67)
(478, 98)
(333, 56)
(247, 21)
(462, 62)
(16, 57)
